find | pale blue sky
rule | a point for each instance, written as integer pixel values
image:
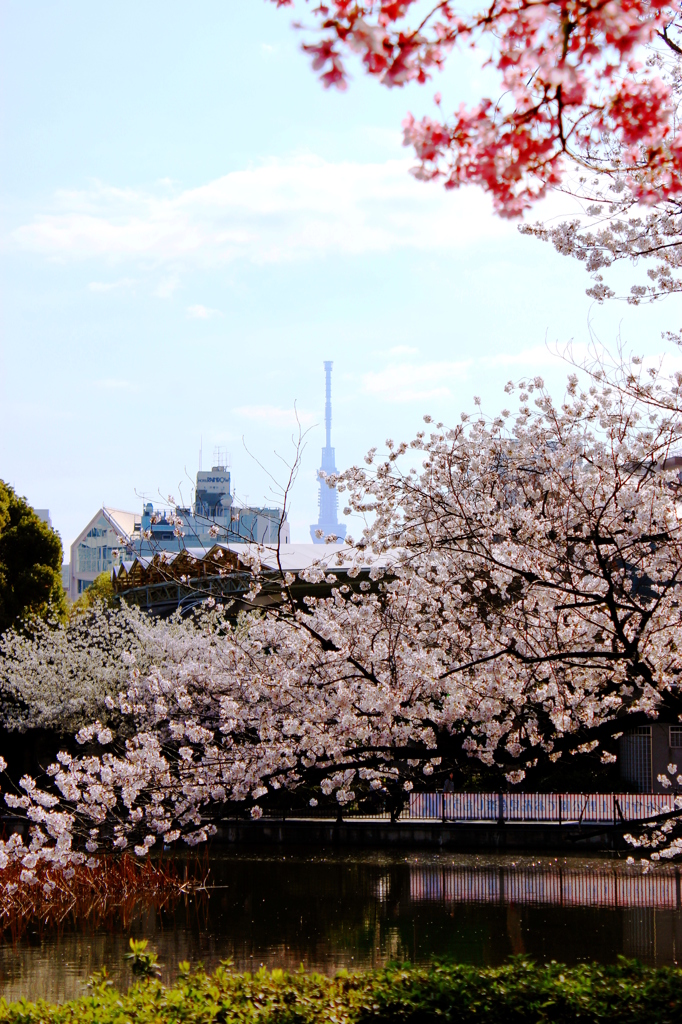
(190, 225)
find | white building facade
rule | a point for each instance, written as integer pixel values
(100, 546)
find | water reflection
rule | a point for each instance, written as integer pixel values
(567, 885)
(364, 910)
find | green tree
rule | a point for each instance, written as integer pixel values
(101, 589)
(30, 562)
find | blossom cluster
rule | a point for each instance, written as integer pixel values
(57, 676)
(41, 852)
(614, 228)
(661, 839)
(572, 86)
(626, 213)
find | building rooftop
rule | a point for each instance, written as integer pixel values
(125, 522)
(292, 557)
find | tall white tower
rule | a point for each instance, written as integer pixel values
(328, 501)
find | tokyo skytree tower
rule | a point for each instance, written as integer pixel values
(328, 501)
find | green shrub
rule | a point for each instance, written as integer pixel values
(521, 992)
(101, 589)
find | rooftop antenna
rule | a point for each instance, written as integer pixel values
(221, 458)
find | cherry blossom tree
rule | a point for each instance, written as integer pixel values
(614, 228)
(523, 607)
(574, 88)
(56, 675)
(524, 596)
(587, 104)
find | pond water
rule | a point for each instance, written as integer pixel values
(357, 909)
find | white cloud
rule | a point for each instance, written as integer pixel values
(115, 384)
(283, 210)
(110, 286)
(409, 382)
(202, 312)
(167, 286)
(273, 415)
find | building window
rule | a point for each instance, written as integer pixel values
(635, 758)
(83, 585)
(676, 736)
(95, 550)
(87, 558)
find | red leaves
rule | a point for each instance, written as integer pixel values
(325, 56)
(569, 82)
(476, 150)
(643, 112)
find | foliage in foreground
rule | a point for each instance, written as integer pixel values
(572, 88)
(520, 991)
(30, 562)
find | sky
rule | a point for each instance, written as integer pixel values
(190, 225)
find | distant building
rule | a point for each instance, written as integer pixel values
(645, 753)
(327, 524)
(213, 517)
(113, 536)
(212, 497)
(100, 546)
(44, 514)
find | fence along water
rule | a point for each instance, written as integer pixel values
(562, 808)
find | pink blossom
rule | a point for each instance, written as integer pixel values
(563, 96)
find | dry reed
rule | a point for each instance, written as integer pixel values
(93, 896)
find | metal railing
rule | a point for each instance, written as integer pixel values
(562, 808)
(331, 814)
(554, 808)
